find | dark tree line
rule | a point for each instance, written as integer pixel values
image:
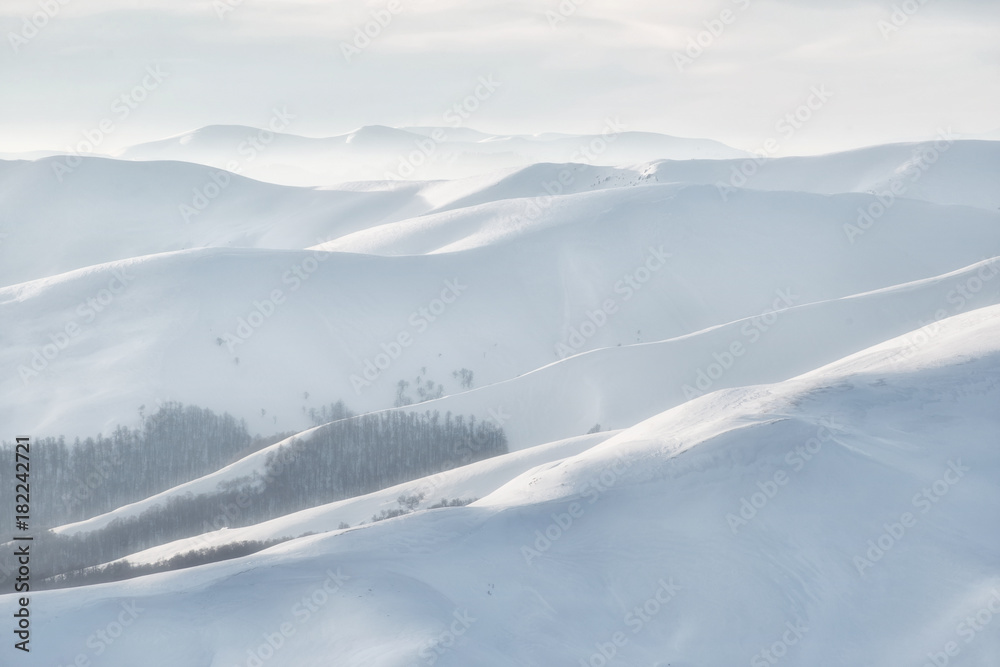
(329, 413)
(364, 454)
(345, 458)
(123, 570)
(409, 503)
(175, 445)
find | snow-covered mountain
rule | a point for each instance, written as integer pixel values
(487, 288)
(622, 334)
(747, 416)
(89, 210)
(747, 525)
(384, 153)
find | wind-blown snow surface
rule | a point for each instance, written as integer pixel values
(632, 384)
(653, 299)
(102, 210)
(507, 299)
(867, 536)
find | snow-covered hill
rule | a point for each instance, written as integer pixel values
(751, 525)
(102, 210)
(786, 362)
(87, 210)
(619, 386)
(499, 334)
(472, 481)
(596, 269)
(945, 171)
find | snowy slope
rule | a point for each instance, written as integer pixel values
(645, 557)
(472, 481)
(107, 210)
(516, 297)
(619, 386)
(945, 171)
(103, 210)
(643, 298)
(502, 220)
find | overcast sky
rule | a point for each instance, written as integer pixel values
(889, 77)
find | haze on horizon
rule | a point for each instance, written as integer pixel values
(894, 71)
